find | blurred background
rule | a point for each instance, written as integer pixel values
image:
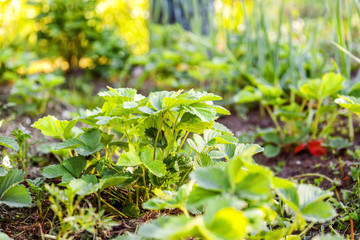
(65, 51)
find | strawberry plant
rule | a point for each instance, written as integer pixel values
(291, 129)
(232, 201)
(138, 141)
(319, 90)
(73, 218)
(20, 147)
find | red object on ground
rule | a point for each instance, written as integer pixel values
(315, 148)
(299, 148)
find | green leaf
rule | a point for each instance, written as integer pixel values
(156, 99)
(3, 236)
(309, 194)
(330, 84)
(205, 112)
(199, 196)
(35, 184)
(168, 227)
(169, 199)
(71, 167)
(254, 186)
(54, 171)
(129, 159)
(350, 103)
(276, 234)
(287, 192)
(50, 126)
(156, 167)
(221, 110)
(3, 171)
(88, 184)
(75, 165)
(248, 94)
(240, 150)
(327, 237)
(271, 137)
(16, 196)
(11, 193)
(271, 150)
(109, 181)
(192, 123)
(9, 142)
(229, 223)
(318, 211)
(14, 176)
(202, 160)
(211, 178)
(226, 139)
(88, 144)
(221, 128)
(204, 96)
(120, 95)
(92, 144)
(69, 143)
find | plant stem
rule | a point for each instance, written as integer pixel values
(130, 195)
(306, 229)
(114, 209)
(293, 225)
(274, 119)
(183, 178)
(316, 121)
(185, 211)
(157, 135)
(173, 129)
(137, 196)
(314, 175)
(144, 179)
(183, 141)
(99, 199)
(351, 127)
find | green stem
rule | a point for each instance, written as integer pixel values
(293, 225)
(173, 130)
(183, 141)
(111, 167)
(114, 209)
(130, 195)
(99, 199)
(185, 211)
(183, 178)
(144, 179)
(274, 119)
(137, 196)
(316, 121)
(314, 175)
(351, 127)
(330, 125)
(306, 229)
(157, 136)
